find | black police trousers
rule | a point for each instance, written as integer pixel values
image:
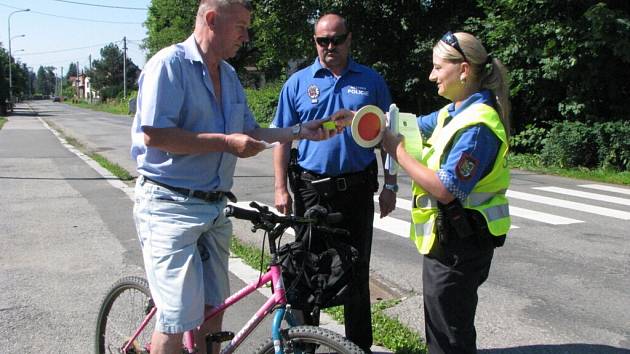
(451, 275)
(357, 206)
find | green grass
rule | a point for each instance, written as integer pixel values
(2, 121)
(112, 167)
(119, 108)
(387, 331)
(533, 163)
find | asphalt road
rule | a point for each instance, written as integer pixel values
(560, 285)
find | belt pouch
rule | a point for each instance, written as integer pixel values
(324, 187)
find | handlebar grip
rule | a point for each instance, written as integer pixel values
(240, 213)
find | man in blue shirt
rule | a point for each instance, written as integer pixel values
(191, 124)
(347, 173)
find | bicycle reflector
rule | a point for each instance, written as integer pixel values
(368, 126)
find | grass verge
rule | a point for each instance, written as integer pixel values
(387, 331)
(112, 167)
(531, 162)
(2, 121)
(120, 108)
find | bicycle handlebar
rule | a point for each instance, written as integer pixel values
(263, 218)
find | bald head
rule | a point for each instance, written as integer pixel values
(332, 20)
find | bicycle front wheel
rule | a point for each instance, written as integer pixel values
(311, 339)
(123, 309)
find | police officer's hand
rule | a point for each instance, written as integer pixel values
(283, 201)
(342, 118)
(391, 143)
(386, 202)
(316, 130)
(243, 145)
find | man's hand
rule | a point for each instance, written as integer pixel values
(243, 145)
(342, 118)
(315, 130)
(386, 202)
(283, 201)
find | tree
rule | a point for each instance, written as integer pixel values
(566, 58)
(394, 37)
(46, 81)
(72, 71)
(107, 73)
(169, 22)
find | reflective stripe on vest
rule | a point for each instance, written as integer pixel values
(488, 195)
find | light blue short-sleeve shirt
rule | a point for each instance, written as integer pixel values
(313, 93)
(175, 90)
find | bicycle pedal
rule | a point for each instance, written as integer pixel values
(219, 337)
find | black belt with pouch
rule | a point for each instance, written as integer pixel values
(327, 186)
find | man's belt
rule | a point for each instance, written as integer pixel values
(203, 195)
(340, 183)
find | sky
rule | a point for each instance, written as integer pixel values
(58, 32)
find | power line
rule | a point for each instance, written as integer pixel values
(70, 49)
(75, 18)
(108, 6)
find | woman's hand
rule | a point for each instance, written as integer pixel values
(391, 143)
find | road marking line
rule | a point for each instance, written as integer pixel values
(559, 203)
(606, 188)
(586, 195)
(542, 217)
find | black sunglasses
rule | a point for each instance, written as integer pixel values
(450, 39)
(335, 40)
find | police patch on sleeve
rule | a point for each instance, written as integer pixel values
(467, 166)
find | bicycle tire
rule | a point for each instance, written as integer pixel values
(311, 339)
(122, 311)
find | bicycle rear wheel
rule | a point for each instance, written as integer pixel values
(122, 311)
(311, 339)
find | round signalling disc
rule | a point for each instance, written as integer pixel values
(368, 126)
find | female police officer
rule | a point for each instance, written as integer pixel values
(459, 212)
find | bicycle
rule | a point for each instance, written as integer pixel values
(127, 315)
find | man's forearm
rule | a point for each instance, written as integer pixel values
(283, 135)
(179, 141)
(280, 163)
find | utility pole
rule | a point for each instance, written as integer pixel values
(61, 86)
(10, 78)
(125, 67)
(78, 81)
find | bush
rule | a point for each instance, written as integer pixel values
(570, 144)
(529, 141)
(613, 145)
(263, 102)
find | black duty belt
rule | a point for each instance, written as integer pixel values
(203, 195)
(340, 183)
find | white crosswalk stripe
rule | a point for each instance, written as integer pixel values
(606, 188)
(542, 217)
(559, 203)
(586, 195)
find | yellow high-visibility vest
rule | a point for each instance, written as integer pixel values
(488, 195)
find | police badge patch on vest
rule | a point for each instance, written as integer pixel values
(467, 166)
(313, 93)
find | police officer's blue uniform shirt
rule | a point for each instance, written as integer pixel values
(473, 152)
(314, 92)
(175, 90)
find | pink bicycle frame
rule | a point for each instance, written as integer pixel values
(278, 297)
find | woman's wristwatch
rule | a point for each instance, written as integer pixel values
(391, 187)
